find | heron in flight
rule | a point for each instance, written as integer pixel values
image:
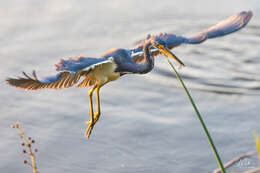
(96, 72)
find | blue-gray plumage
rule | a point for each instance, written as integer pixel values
(97, 72)
(227, 26)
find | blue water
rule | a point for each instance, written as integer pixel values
(147, 124)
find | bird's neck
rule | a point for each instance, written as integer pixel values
(148, 64)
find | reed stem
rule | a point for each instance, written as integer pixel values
(200, 118)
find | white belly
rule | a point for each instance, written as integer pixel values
(104, 73)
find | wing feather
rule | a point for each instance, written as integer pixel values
(86, 83)
(227, 26)
(66, 82)
(51, 82)
(69, 73)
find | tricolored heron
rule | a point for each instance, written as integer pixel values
(117, 62)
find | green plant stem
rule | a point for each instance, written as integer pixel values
(200, 118)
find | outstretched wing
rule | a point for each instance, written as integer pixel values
(231, 24)
(58, 81)
(227, 26)
(69, 73)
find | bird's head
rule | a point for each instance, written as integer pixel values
(162, 47)
(157, 41)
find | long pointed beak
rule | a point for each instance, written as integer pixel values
(167, 52)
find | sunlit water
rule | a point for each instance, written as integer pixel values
(147, 124)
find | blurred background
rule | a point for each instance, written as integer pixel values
(147, 124)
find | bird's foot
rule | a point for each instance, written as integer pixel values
(91, 125)
(89, 129)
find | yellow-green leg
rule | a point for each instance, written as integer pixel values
(90, 123)
(97, 114)
(93, 116)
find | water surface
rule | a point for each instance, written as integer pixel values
(147, 123)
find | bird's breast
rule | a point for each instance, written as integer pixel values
(105, 73)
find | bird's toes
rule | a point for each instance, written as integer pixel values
(88, 132)
(87, 122)
(89, 129)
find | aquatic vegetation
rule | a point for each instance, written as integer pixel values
(27, 147)
(200, 118)
(239, 160)
(257, 143)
